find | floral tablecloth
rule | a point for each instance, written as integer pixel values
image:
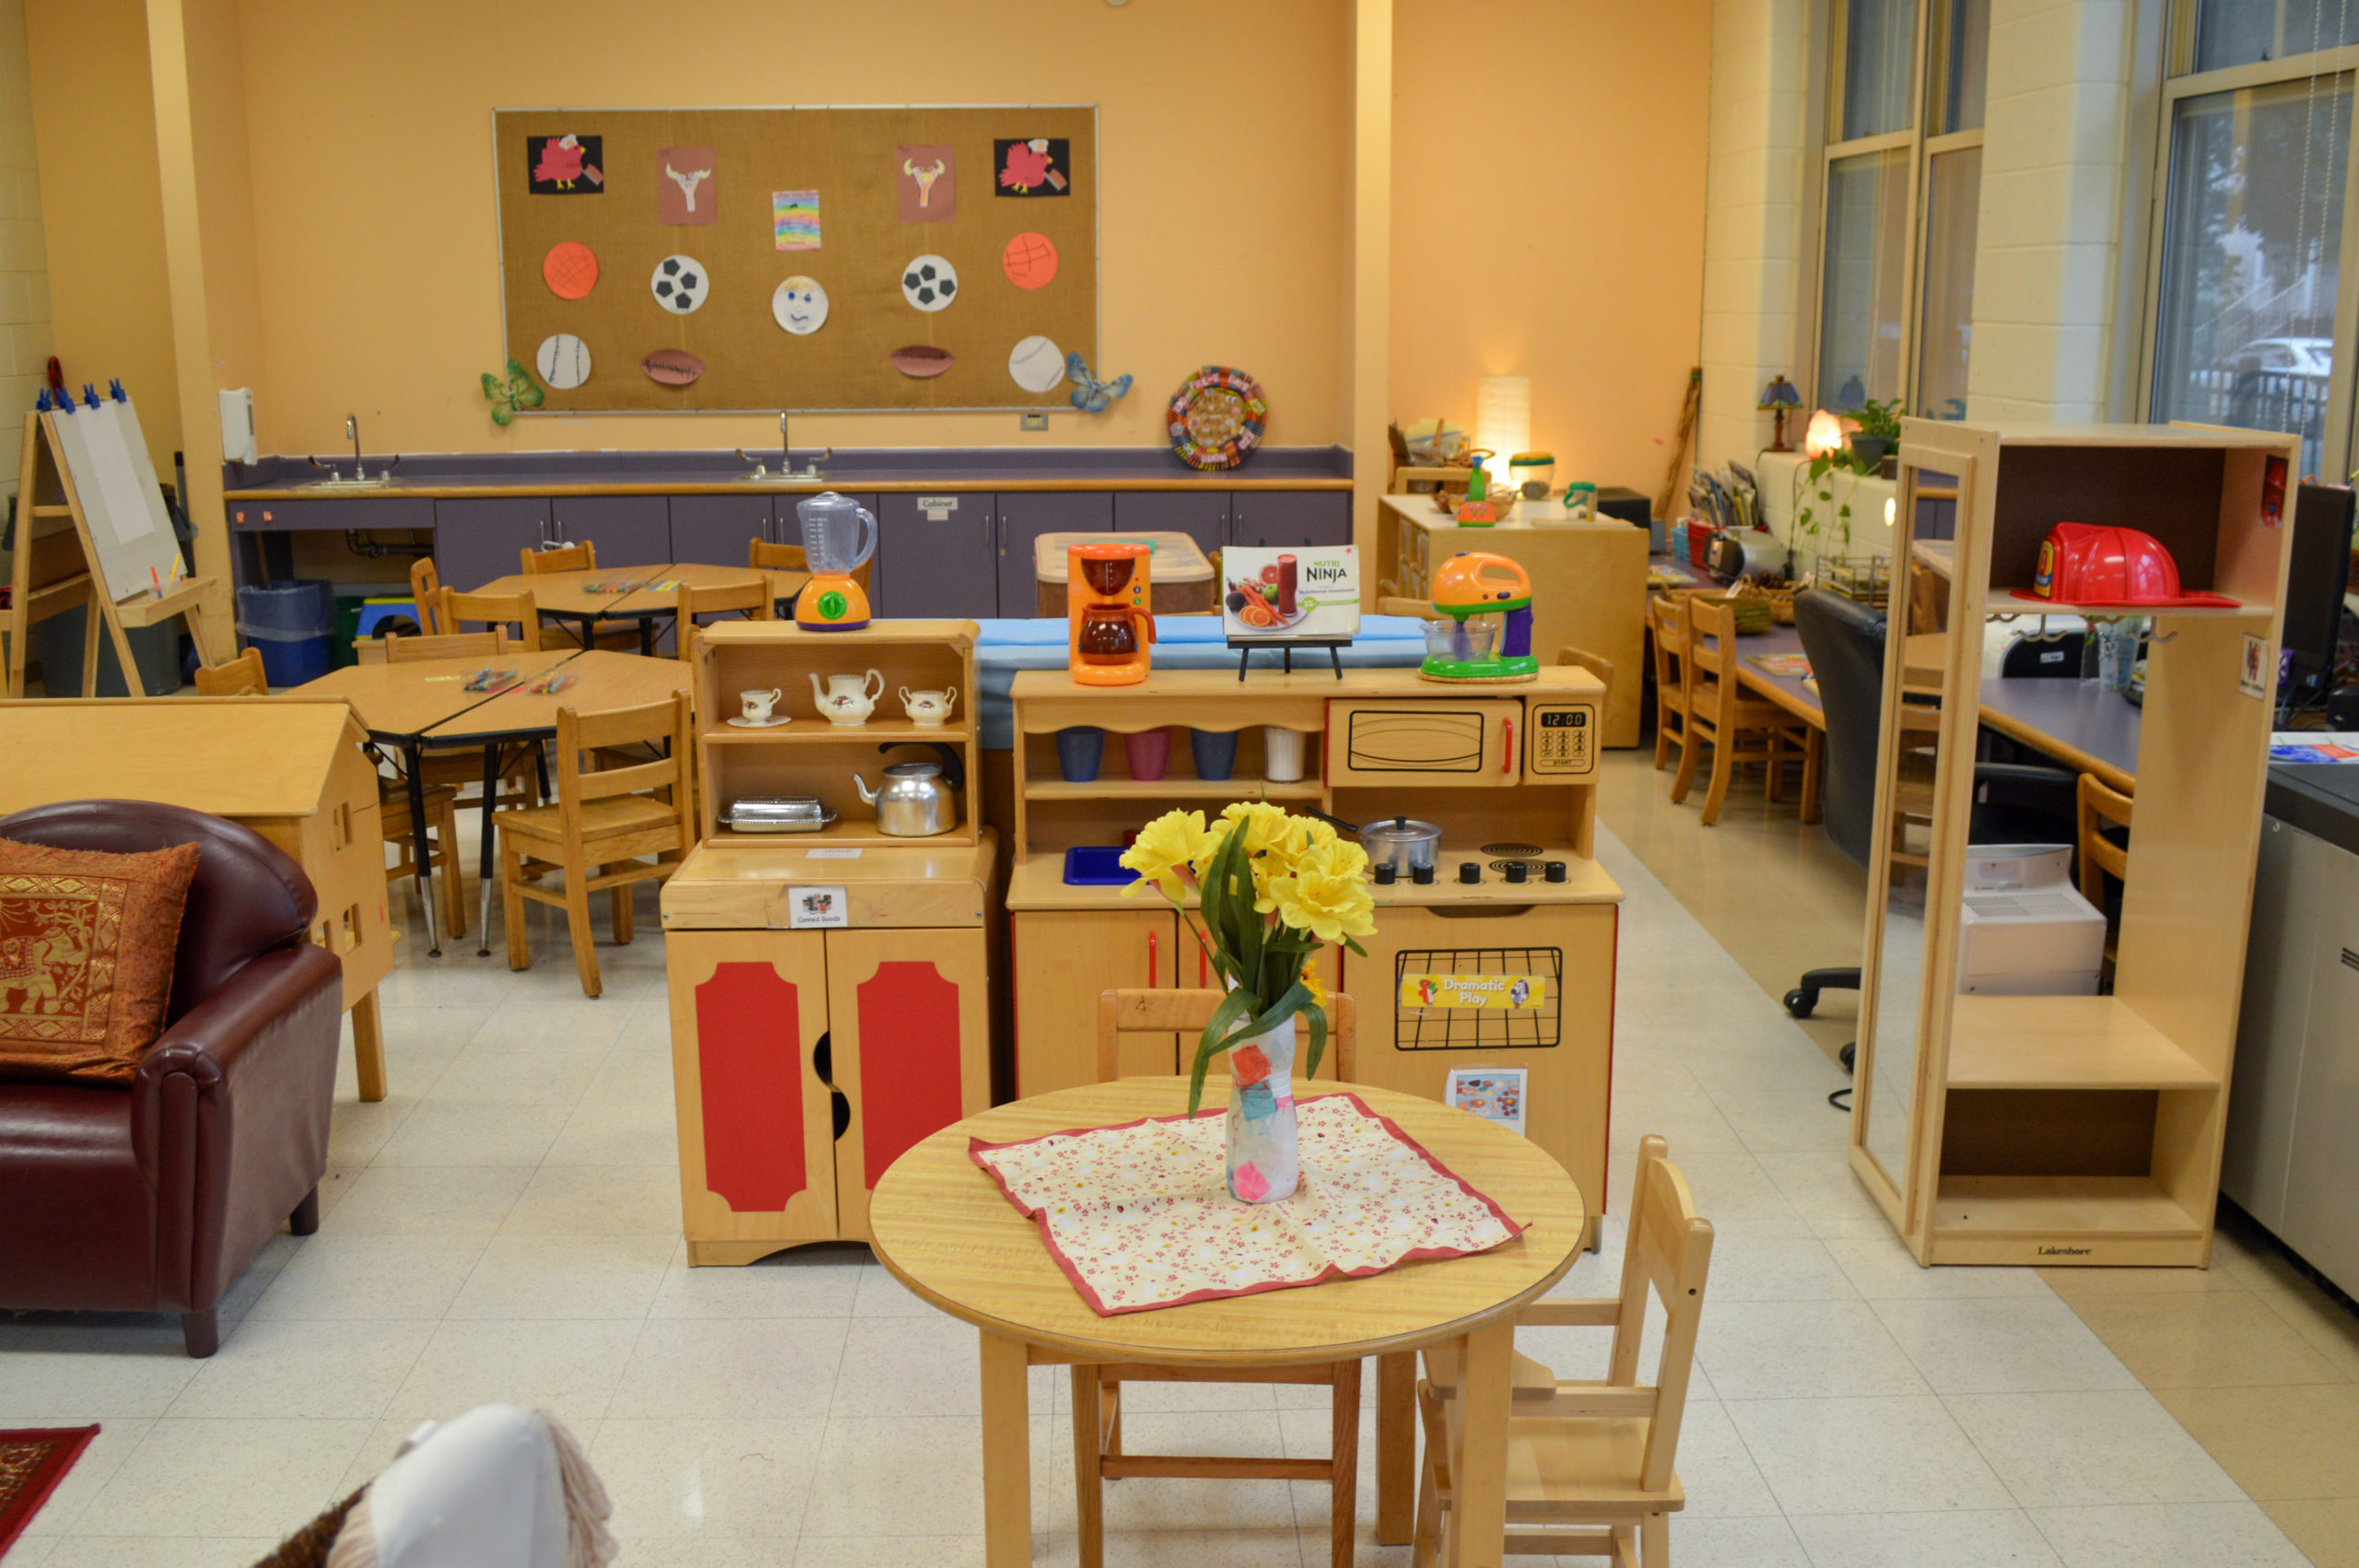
(1139, 1216)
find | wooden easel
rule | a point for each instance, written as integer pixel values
(51, 575)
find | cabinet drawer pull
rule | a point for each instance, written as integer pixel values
(1204, 978)
(1154, 944)
(1507, 757)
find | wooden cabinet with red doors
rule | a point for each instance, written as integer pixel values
(827, 1013)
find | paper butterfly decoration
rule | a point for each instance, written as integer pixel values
(1090, 394)
(520, 391)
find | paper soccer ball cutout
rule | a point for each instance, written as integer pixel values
(929, 283)
(680, 283)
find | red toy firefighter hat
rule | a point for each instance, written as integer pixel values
(2089, 567)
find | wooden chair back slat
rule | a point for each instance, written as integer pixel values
(1421, 609)
(1159, 1011)
(492, 644)
(241, 676)
(764, 557)
(583, 558)
(2098, 807)
(425, 591)
(752, 600)
(454, 610)
(657, 723)
(1668, 1253)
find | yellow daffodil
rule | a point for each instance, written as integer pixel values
(1311, 983)
(1328, 894)
(1165, 849)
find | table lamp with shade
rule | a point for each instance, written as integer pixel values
(1502, 422)
(1779, 398)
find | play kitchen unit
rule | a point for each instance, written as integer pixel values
(1494, 927)
(827, 943)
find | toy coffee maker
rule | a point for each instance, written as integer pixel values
(839, 535)
(1109, 616)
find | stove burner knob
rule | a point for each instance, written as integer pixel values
(1387, 874)
(1470, 871)
(1519, 871)
(1422, 876)
(1555, 870)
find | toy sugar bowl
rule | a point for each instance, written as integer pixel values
(848, 700)
(929, 710)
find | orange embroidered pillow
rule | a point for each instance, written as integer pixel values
(86, 941)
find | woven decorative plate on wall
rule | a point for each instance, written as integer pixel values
(1216, 418)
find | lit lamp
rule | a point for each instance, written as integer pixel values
(1502, 421)
(1825, 435)
(1779, 398)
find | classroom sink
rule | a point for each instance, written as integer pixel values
(341, 484)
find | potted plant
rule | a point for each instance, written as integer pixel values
(1879, 432)
(1272, 889)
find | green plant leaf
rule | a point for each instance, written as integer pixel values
(1318, 1016)
(491, 387)
(1212, 1042)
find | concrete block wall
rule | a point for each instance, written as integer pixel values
(26, 342)
(1756, 242)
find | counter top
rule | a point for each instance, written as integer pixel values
(456, 476)
(1523, 517)
(2321, 798)
(737, 884)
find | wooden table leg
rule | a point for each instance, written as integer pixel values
(1478, 1470)
(1007, 1452)
(1089, 1485)
(368, 1048)
(1396, 1448)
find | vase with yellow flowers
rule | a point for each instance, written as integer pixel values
(1271, 889)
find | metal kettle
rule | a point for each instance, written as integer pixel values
(918, 799)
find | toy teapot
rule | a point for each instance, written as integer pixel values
(848, 700)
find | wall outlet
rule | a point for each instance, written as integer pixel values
(1035, 421)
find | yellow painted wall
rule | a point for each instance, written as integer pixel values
(368, 129)
(102, 204)
(1548, 218)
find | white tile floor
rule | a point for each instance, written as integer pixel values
(506, 1226)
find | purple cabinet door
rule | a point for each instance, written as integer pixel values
(713, 531)
(477, 541)
(1023, 516)
(1275, 519)
(630, 530)
(937, 568)
(1202, 515)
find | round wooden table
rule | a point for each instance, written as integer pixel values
(645, 594)
(947, 1231)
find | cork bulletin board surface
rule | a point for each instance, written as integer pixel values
(881, 206)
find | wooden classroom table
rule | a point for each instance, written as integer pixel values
(944, 1230)
(631, 593)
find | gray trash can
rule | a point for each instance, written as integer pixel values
(294, 624)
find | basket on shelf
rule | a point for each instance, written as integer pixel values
(1753, 612)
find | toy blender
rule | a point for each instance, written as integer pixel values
(1472, 588)
(1109, 618)
(839, 535)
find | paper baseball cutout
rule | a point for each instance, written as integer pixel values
(1029, 261)
(570, 269)
(563, 361)
(1037, 364)
(680, 283)
(929, 283)
(799, 305)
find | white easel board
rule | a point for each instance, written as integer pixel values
(106, 456)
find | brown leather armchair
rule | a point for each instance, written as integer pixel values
(152, 1198)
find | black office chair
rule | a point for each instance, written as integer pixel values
(2056, 657)
(1845, 642)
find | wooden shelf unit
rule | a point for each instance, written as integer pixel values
(811, 756)
(2073, 1130)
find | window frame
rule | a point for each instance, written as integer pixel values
(1826, 122)
(2181, 82)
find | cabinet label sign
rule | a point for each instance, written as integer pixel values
(937, 508)
(814, 908)
(1505, 993)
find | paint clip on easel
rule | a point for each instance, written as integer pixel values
(549, 685)
(114, 388)
(90, 395)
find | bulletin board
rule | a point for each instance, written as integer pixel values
(594, 202)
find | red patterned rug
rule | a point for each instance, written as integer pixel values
(32, 1461)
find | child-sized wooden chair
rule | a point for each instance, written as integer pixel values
(752, 601)
(455, 611)
(2100, 806)
(1174, 1019)
(1590, 1463)
(609, 819)
(1737, 727)
(1667, 624)
(616, 637)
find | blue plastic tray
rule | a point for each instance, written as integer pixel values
(1096, 866)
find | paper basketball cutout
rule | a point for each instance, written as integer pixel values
(563, 361)
(1029, 261)
(680, 283)
(1037, 364)
(570, 269)
(799, 305)
(929, 283)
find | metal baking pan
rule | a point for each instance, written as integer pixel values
(785, 814)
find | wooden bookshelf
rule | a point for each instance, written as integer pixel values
(2073, 1130)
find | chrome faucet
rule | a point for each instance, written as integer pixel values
(359, 472)
(785, 457)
